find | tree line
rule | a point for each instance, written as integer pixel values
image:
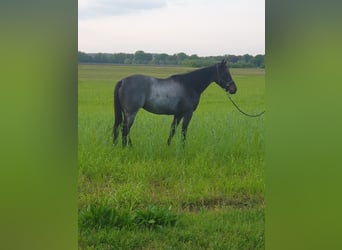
(141, 57)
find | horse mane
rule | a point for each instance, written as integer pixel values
(194, 75)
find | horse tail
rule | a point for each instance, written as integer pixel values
(117, 112)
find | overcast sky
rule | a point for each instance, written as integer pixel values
(202, 27)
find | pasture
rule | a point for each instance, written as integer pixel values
(208, 195)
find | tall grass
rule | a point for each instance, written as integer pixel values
(219, 171)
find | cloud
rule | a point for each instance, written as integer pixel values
(99, 8)
(202, 27)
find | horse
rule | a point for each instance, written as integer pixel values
(177, 95)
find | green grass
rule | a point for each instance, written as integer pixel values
(100, 216)
(212, 190)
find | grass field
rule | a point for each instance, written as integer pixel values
(208, 195)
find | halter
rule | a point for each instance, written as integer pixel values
(221, 80)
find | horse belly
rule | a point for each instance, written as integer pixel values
(163, 101)
(162, 105)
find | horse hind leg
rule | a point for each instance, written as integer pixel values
(127, 124)
(117, 112)
(116, 130)
(115, 133)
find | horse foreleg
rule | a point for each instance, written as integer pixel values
(186, 121)
(176, 120)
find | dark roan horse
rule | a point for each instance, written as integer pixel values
(177, 95)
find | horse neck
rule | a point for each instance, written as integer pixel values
(200, 79)
(206, 76)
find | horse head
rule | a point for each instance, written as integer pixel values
(224, 79)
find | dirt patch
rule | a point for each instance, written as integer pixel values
(212, 203)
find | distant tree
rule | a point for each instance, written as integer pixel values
(161, 59)
(233, 58)
(128, 60)
(181, 57)
(140, 57)
(259, 61)
(172, 60)
(100, 58)
(246, 58)
(193, 57)
(84, 57)
(119, 58)
(191, 63)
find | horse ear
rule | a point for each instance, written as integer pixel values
(223, 62)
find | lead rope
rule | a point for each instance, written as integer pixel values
(242, 112)
(250, 115)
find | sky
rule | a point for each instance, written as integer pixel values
(201, 27)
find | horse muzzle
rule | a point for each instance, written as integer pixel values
(231, 88)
